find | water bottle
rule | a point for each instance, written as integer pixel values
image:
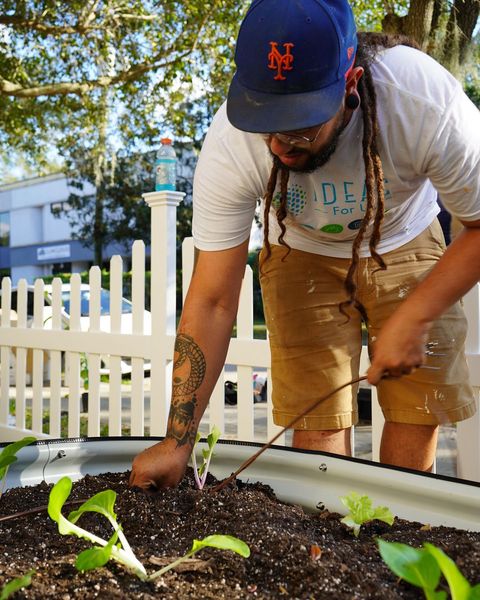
(165, 166)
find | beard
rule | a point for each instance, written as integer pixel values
(320, 158)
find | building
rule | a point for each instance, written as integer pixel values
(34, 242)
(36, 238)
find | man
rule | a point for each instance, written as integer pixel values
(347, 145)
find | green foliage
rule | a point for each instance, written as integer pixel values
(103, 503)
(423, 567)
(473, 92)
(362, 511)
(200, 473)
(16, 585)
(8, 456)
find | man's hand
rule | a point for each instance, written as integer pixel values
(160, 466)
(399, 349)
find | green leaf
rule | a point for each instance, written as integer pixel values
(360, 507)
(416, 566)
(16, 584)
(474, 592)
(213, 437)
(57, 498)
(96, 557)
(102, 503)
(459, 586)
(382, 513)
(5, 461)
(361, 511)
(10, 451)
(222, 542)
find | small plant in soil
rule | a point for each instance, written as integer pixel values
(9, 456)
(104, 550)
(16, 585)
(200, 473)
(423, 567)
(362, 511)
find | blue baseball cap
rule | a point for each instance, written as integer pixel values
(292, 60)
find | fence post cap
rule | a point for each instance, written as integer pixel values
(165, 197)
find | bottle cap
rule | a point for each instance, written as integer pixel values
(166, 141)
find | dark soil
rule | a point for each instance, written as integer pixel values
(280, 538)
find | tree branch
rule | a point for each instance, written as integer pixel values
(8, 88)
(35, 25)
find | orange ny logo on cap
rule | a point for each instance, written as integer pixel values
(279, 61)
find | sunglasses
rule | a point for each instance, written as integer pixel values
(294, 139)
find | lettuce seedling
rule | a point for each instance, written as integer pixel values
(222, 542)
(100, 554)
(201, 473)
(362, 511)
(15, 585)
(422, 567)
(8, 456)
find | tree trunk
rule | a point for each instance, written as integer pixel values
(98, 227)
(438, 7)
(418, 22)
(100, 153)
(461, 23)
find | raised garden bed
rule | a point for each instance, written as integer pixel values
(284, 561)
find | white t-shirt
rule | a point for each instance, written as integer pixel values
(429, 142)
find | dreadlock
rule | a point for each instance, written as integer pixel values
(369, 45)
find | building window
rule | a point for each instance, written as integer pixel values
(56, 208)
(4, 229)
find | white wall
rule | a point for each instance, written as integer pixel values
(26, 226)
(55, 229)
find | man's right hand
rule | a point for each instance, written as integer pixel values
(160, 466)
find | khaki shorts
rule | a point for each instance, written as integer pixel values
(315, 349)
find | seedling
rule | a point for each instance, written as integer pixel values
(422, 567)
(362, 511)
(105, 550)
(201, 473)
(8, 456)
(15, 585)
(222, 542)
(102, 503)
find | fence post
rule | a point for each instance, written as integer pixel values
(468, 441)
(162, 297)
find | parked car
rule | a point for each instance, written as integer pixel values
(105, 325)
(105, 322)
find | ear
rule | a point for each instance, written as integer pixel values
(353, 78)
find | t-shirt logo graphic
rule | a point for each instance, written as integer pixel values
(280, 62)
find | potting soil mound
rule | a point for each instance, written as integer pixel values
(293, 554)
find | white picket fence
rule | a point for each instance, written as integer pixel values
(135, 411)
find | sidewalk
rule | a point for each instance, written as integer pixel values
(446, 452)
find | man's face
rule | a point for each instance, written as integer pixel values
(306, 157)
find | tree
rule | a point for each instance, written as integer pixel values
(95, 78)
(443, 28)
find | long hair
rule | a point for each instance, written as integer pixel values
(369, 45)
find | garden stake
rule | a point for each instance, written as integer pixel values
(250, 460)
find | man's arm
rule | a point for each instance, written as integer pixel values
(201, 345)
(400, 346)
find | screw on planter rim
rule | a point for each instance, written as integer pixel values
(309, 408)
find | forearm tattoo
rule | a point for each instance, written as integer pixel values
(188, 374)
